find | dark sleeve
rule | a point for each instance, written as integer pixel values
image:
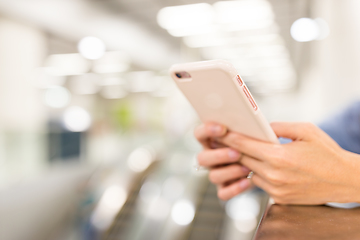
(344, 128)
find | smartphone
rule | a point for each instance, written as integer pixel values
(218, 94)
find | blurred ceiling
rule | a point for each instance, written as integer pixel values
(75, 19)
(144, 12)
(127, 25)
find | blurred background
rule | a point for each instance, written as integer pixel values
(96, 141)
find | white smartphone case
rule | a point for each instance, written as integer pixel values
(218, 94)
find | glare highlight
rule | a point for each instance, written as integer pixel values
(56, 97)
(109, 205)
(91, 48)
(158, 209)
(247, 224)
(202, 18)
(192, 15)
(183, 212)
(140, 159)
(243, 210)
(305, 30)
(243, 15)
(241, 207)
(77, 119)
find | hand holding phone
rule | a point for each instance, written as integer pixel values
(223, 103)
(225, 170)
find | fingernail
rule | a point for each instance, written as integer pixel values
(245, 169)
(216, 129)
(214, 145)
(234, 155)
(243, 184)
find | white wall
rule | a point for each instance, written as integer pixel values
(22, 49)
(340, 53)
(22, 114)
(331, 78)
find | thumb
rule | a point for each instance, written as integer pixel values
(294, 130)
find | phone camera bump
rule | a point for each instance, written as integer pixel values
(183, 76)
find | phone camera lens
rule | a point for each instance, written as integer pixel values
(178, 75)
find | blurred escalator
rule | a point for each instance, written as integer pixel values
(209, 217)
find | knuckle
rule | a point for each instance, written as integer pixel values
(281, 194)
(226, 194)
(235, 138)
(281, 158)
(311, 125)
(276, 192)
(213, 177)
(237, 170)
(255, 180)
(269, 176)
(222, 155)
(222, 196)
(274, 177)
(201, 158)
(308, 127)
(226, 174)
(197, 131)
(282, 199)
(235, 192)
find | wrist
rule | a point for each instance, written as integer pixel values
(351, 175)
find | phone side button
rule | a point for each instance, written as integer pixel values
(250, 98)
(239, 80)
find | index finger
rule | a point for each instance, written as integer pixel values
(257, 149)
(209, 130)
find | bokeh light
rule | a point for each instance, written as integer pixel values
(140, 159)
(183, 212)
(76, 119)
(247, 224)
(149, 191)
(110, 203)
(57, 97)
(197, 15)
(159, 209)
(240, 207)
(305, 30)
(91, 48)
(243, 210)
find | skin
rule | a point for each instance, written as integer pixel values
(312, 169)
